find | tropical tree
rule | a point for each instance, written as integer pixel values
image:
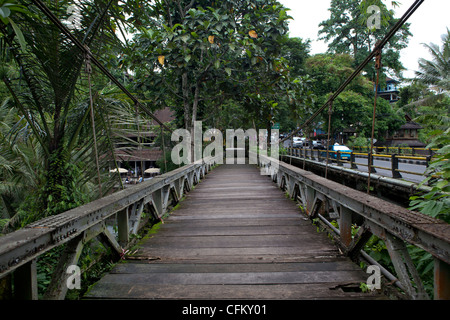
(353, 107)
(433, 112)
(296, 51)
(52, 98)
(347, 31)
(436, 72)
(199, 54)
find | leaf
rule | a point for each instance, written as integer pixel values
(19, 34)
(253, 34)
(228, 71)
(442, 184)
(5, 12)
(187, 58)
(185, 38)
(217, 64)
(211, 39)
(432, 208)
(161, 60)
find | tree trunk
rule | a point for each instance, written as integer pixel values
(186, 105)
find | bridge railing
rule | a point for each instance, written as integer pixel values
(74, 228)
(339, 156)
(405, 151)
(327, 200)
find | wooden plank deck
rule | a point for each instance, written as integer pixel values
(236, 236)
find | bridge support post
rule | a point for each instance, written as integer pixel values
(25, 282)
(338, 159)
(345, 226)
(404, 267)
(310, 200)
(441, 280)
(57, 288)
(135, 216)
(123, 227)
(370, 163)
(161, 197)
(353, 161)
(395, 173)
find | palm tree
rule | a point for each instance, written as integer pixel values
(18, 165)
(52, 99)
(433, 110)
(436, 72)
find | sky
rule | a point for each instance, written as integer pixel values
(428, 24)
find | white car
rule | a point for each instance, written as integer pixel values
(297, 142)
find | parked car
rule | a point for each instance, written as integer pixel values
(297, 142)
(317, 145)
(344, 151)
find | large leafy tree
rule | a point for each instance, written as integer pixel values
(353, 107)
(347, 31)
(296, 51)
(201, 54)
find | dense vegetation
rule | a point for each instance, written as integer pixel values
(230, 64)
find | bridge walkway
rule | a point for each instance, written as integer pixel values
(236, 236)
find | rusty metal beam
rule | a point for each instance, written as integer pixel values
(396, 225)
(441, 280)
(428, 233)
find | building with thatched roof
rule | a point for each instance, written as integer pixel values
(407, 135)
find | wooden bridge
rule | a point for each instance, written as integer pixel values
(235, 236)
(238, 232)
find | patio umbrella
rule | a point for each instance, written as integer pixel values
(152, 170)
(121, 170)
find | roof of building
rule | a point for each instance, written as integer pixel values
(411, 125)
(391, 80)
(137, 155)
(164, 115)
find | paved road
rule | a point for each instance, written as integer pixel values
(418, 168)
(401, 166)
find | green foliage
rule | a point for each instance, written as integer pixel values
(353, 108)
(204, 57)
(436, 72)
(7, 9)
(434, 113)
(411, 93)
(436, 203)
(296, 51)
(360, 141)
(347, 32)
